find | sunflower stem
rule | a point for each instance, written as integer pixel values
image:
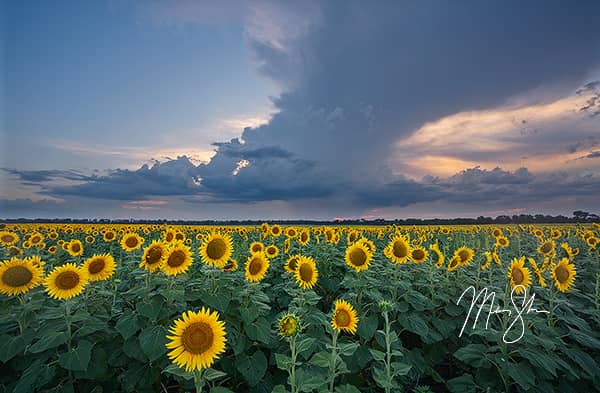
(198, 380)
(388, 353)
(68, 322)
(332, 360)
(293, 365)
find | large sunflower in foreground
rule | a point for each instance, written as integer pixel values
(306, 273)
(178, 259)
(196, 340)
(564, 274)
(256, 267)
(518, 274)
(216, 249)
(344, 317)
(398, 250)
(66, 281)
(154, 256)
(18, 276)
(99, 267)
(358, 257)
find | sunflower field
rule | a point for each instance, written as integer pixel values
(271, 308)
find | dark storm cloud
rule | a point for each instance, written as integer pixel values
(35, 177)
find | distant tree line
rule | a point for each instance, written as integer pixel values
(579, 216)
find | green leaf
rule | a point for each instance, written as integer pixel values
(221, 389)
(212, 374)
(152, 341)
(473, 355)
(347, 389)
(309, 380)
(379, 377)
(585, 361)
(321, 359)
(279, 389)
(90, 326)
(305, 344)
(259, 330)
(10, 346)
(35, 376)
(377, 355)
(521, 373)
(462, 384)
(150, 309)
(367, 326)
(176, 370)
(78, 358)
(585, 339)
(253, 367)
(400, 368)
(283, 361)
(47, 341)
(348, 349)
(128, 325)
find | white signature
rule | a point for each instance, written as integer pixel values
(484, 295)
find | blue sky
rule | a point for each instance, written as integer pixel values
(263, 109)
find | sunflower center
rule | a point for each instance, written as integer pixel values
(216, 248)
(400, 249)
(131, 242)
(75, 247)
(418, 254)
(546, 247)
(198, 338)
(306, 272)
(110, 235)
(256, 248)
(464, 255)
(270, 250)
(96, 266)
(562, 274)
(169, 236)
(304, 237)
(67, 280)
(454, 262)
(154, 255)
(358, 257)
(517, 275)
(342, 318)
(177, 258)
(36, 239)
(17, 276)
(293, 263)
(255, 266)
(7, 238)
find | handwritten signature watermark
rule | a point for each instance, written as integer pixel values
(521, 307)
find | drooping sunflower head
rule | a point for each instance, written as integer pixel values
(230, 266)
(256, 247)
(288, 325)
(454, 263)
(154, 256)
(486, 261)
(439, 262)
(352, 237)
(367, 244)
(256, 267)
(169, 236)
(418, 255)
(66, 281)
(196, 340)
(216, 249)
(465, 254)
(304, 238)
(18, 276)
(344, 317)
(131, 241)
(357, 257)
(564, 274)
(398, 250)
(519, 275)
(546, 248)
(271, 251)
(75, 248)
(292, 264)
(178, 259)
(306, 273)
(100, 267)
(8, 238)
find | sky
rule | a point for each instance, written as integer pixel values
(299, 110)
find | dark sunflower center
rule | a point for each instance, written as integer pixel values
(562, 274)
(36, 239)
(179, 236)
(255, 266)
(7, 238)
(352, 237)
(293, 263)
(304, 237)
(110, 235)
(131, 241)
(271, 250)
(306, 272)
(96, 266)
(216, 248)
(454, 262)
(342, 318)
(358, 257)
(400, 249)
(177, 258)
(256, 248)
(517, 275)
(464, 255)
(275, 230)
(169, 236)
(154, 255)
(17, 276)
(503, 242)
(67, 280)
(546, 247)
(197, 338)
(418, 254)
(75, 247)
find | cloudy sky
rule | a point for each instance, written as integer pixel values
(287, 110)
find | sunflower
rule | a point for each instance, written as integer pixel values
(571, 253)
(563, 274)
(292, 264)
(169, 236)
(497, 232)
(99, 267)
(154, 256)
(592, 241)
(496, 257)
(75, 248)
(487, 260)
(344, 317)
(66, 281)
(256, 267)
(53, 235)
(502, 241)
(230, 266)
(18, 276)
(366, 243)
(418, 255)
(36, 239)
(538, 272)
(546, 248)
(286, 246)
(352, 236)
(440, 256)
(398, 250)
(256, 247)
(196, 340)
(271, 251)
(178, 259)
(216, 249)
(275, 230)
(37, 261)
(306, 273)
(109, 236)
(519, 275)
(131, 241)
(89, 239)
(288, 325)
(52, 249)
(454, 263)
(465, 254)
(357, 257)
(291, 232)
(179, 236)
(304, 238)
